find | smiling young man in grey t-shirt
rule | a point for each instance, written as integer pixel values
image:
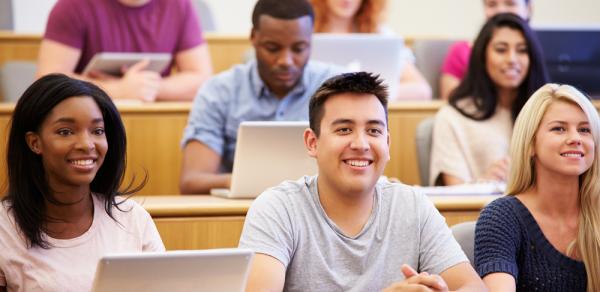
(345, 229)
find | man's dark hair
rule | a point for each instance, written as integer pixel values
(357, 82)
(282, 9)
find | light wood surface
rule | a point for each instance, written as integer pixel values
(225, 49)
(18, 47)
(403, 120)
(154, 131)
(201, 221)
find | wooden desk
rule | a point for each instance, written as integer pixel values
(225, 49)
(200, 222)
(154, 131)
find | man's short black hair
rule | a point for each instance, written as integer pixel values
(282, 9)
(357, 82)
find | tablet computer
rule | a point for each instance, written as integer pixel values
(111, 63)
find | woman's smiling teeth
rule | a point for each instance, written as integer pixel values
(83, 162)
(572, 154)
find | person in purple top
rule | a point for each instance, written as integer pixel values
(78, 29)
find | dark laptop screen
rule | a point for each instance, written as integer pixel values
(573, 57)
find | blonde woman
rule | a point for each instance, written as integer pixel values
(545, 235)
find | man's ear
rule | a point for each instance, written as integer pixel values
(310, 141)
(389, 143)
(253, 36)
(33, 141)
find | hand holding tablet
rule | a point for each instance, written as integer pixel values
(132, 75)
(113, 63)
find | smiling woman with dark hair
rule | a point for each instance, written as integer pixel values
(66, 162)
(456, 62)
(472, 133)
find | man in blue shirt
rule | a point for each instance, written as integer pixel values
(276, 86)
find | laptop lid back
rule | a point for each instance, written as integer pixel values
(198, 270)
(380, 54)
(268, 153)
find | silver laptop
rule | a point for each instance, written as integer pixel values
(381, 54)
(266, 154)
(193, 270)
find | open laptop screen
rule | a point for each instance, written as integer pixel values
(572, 56)
(377, 53)
(267, 153)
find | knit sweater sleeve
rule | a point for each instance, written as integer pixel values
(497, 239)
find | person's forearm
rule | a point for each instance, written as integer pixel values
(111, 87)
(182, 86)
(473, 287)
(202, 183)
(413, 91)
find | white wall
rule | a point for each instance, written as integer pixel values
(463, 18)
(232, 16)
(30, 16)
(439, 18)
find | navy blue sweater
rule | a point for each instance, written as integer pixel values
(509, 240)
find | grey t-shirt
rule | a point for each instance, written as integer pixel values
(288, 223)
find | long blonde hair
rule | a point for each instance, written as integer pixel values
(522, 172)
(367, 18)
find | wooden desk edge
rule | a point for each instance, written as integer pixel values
(206, 206)
(128, 107)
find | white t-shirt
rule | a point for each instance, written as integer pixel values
(70, 264)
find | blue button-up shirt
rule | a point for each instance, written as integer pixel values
(238, 95)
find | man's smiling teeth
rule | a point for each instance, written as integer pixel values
(572, 155)
(82, 162)
(359, 163)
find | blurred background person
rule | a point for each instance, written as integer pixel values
(365, 16)
(472, 133)
(77, 30)
(457, 59)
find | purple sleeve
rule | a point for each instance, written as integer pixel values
(191, 32)
(457, 59)
(65, 24)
